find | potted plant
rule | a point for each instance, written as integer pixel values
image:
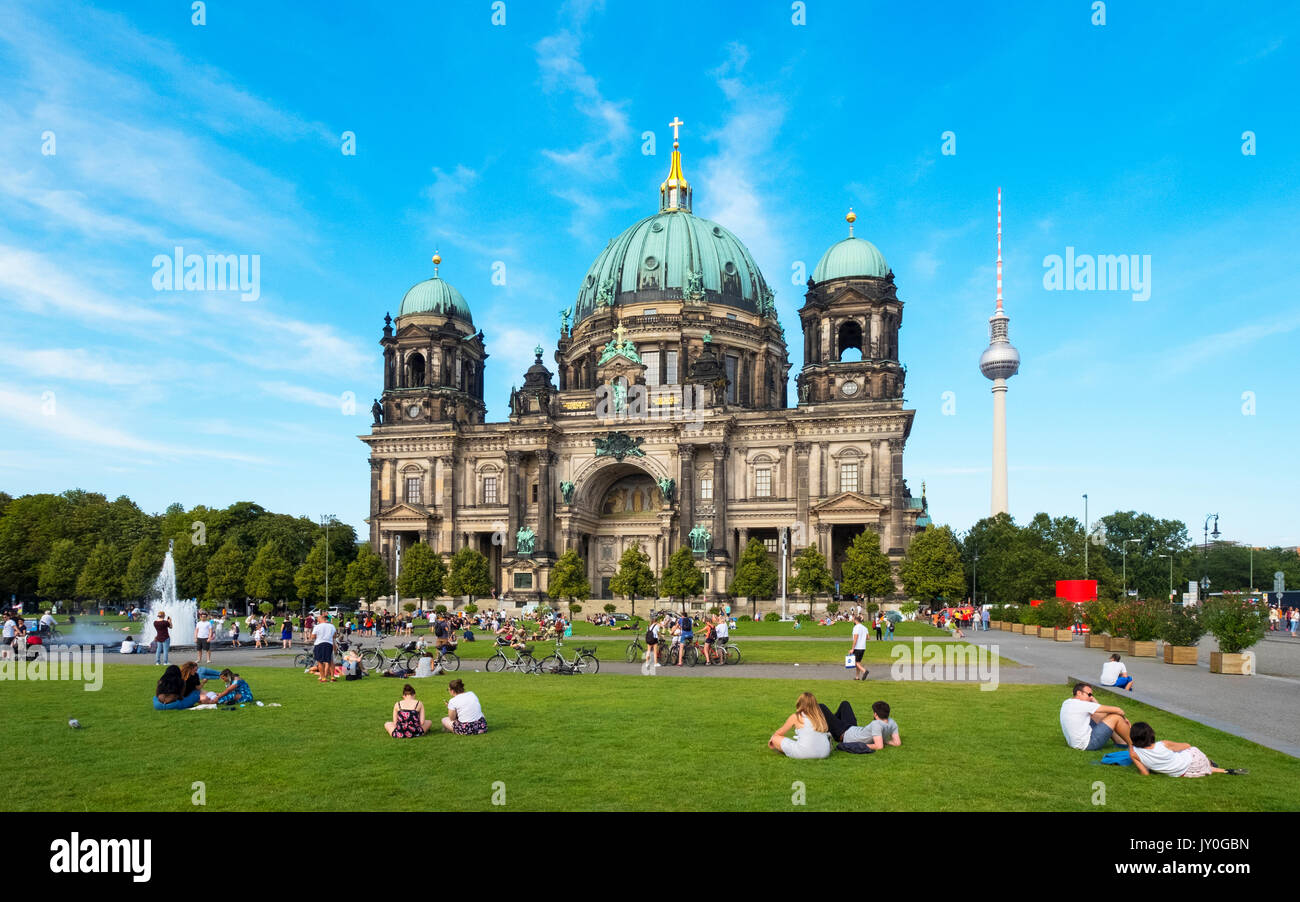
(1011, 618)
(1145, 626)
(1029, 620)
(1096, 614)
(1121, 624)
(1055, 618)
(1238, 623)
(1181, 630)
(995, 617)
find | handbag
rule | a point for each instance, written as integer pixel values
(850, 661)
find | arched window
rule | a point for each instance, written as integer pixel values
(850, 340)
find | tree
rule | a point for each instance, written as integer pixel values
(227, 575)
(866, 568)
(634, 576)
(610, 608)
(270, 576)
(423, 573)
(569, 578)
(812, 576)
(310, 577)
(192, 565)
(367, 577)
(931, 569)
(469, 574)
(143, 567)
(681, 578)
(59, 571)
(101, 578)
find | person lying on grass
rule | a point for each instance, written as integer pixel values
(882, 730)
(1177, 759)
(812, 737)
(1088, 725)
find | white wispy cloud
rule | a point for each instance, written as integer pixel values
(301, 394)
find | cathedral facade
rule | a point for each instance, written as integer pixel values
(665, 423)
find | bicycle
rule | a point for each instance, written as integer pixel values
(668, 653)
(584, 662)
(726, 652)
(446, 659)
(523, 662)
(635, 650)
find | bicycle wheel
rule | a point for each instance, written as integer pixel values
(450, 662)
(549, 664)
(689, 656)
(527, 664)
(587, 664)
(634, 652)
(733, 655)
(304, 660)
(374, 660)
(497, 663)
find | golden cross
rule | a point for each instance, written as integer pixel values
(675, 124)
(620, 332)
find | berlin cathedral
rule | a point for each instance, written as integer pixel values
(666, 422)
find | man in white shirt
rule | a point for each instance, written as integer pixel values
(323, 649)
(859, 648)
(1087, 725)
(10, 634)
(47, 622)
(203, 638)
(1114, 674)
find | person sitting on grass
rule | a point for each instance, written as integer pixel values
(171, 693)
(1114, 674)
(876, 735)
(464, 713)
(235, 693)
(1088, 725)
(812, 738)
(409, 720)
(1177, 759)
(128, 646)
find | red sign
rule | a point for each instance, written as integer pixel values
(1076, 590)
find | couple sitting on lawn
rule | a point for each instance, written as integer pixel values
(814, 727)
(1089, 725)
(182, 687)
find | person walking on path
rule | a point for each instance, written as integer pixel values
(162, 639)
(879, 629)
(859, 647)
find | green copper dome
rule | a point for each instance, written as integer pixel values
(670, 256)
(437, 297)
(852, 258)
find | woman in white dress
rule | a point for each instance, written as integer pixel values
(812, 737)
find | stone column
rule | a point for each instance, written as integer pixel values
(686, 492)
(512, 500)
(430, 489)
(545, 500)
(744, 542)
(883, 464)
(896, 490)
(376, 468)
(801, 450)
(719, 543)
(392, 482)
(824, 544)
(824, 464)
(447, 481)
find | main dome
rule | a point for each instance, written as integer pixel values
(852, 258)
(438, 297)
(666, 256)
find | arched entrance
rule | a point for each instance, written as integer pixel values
(618, 504)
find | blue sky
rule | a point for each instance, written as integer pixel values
(521, 144)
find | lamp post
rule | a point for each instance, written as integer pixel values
(1085, 536)
(1124, 562)
(1171, 574)
(1205, 553)
(325, 521)
(974, 571)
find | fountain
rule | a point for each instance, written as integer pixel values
(162, 597)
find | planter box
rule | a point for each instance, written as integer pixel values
(1094, 641)
(1065, 635)
(1238, 664)
(1180, 654)
(1123, 646)
(995, 624)
(1017, 627)
(1143, 649)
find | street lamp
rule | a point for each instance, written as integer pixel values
(1171, 574)
(974, 571)
(325, 521)
(1124, 561)
(1085, 536)
(1205, 553)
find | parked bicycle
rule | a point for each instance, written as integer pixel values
(584, 662)
(523, 661)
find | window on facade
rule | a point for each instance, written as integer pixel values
(731, 316)
(731, 379)
(413, 490)
(706, 488)
(770, 545)
(649, 311)
(670, 368)
(489, 490)
(849, 477)
(763, 482)
(651, 361)
(523, 580)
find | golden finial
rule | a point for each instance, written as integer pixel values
(850, 219)
(675, 192)
(437, 258)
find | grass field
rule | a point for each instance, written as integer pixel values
(609, 742)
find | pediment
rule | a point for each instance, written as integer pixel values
(847, 502)
(405, 511)
(849, 295)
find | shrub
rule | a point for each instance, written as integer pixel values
(715, 610)
(471, 608)
(1029, 615)
(609, 609)
(872, 608)
(575, 608)
(832, 607)
(909, 608)
(1138, 620)
(409, 607)
(744, 618)
(1056, 613)
(803, 618)
(1182, 626)
(1011, 613)
(440, 609)
(771, 617)
(995, 612)
(1098, 613)
(1235, 620)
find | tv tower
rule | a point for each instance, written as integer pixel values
(999, 362)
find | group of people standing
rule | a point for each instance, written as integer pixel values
(1284, 619)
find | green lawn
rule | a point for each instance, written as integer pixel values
(607, 742)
